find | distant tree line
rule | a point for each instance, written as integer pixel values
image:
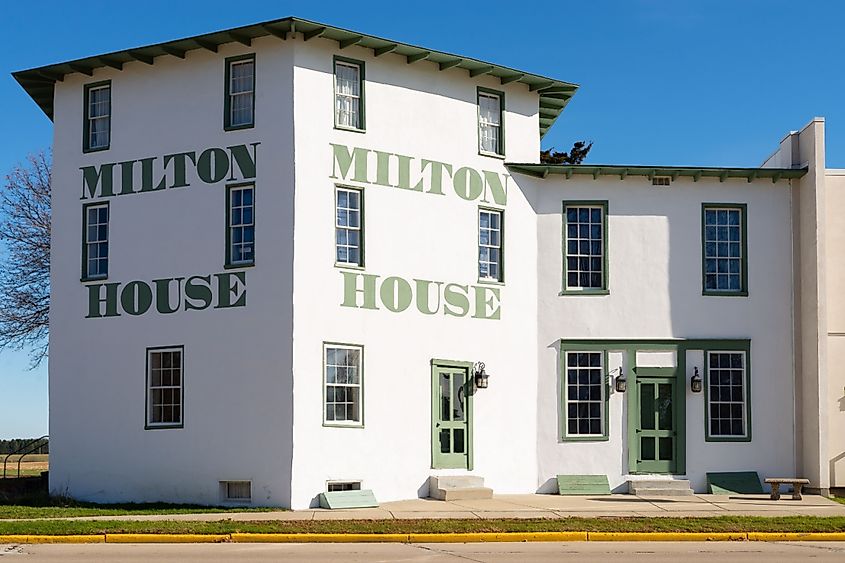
(9, 446)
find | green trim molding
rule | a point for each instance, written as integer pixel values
(85, 277)
(743, 290)
(582, 346)
(228, 264)
(362, 80)
(605, 287)
(553, 94)
(500, 150)
(181, 424)
(435, 415)
(86, 121)
(331, 424)
(649, 172)
(227, 100)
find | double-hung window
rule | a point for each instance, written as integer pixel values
(164, 387)
(727, 395)
(240, 231)
(585, 247)
(240, 92)
(490, 245)
(490, 138)
(584, 394)
(95, 248)
(97, 117)
(349, 249)
(342, 384)
(724, 249)
(348, 94)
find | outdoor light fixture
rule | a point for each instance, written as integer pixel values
(480, 376)
(695, 382)
(621, 383)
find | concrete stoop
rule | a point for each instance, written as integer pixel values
(463, 487)
(660, 488)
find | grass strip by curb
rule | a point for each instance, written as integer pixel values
(424, 538)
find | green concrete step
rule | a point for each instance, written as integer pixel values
(734, 483)
(583, 485)
(348, 499)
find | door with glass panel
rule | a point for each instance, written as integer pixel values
(451, 417)
(656, 433)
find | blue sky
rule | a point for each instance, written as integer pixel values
(672, 82)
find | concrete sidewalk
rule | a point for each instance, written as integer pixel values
(536, 506)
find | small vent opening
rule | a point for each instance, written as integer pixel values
(336, 486)
(236, 491)
(661, 181)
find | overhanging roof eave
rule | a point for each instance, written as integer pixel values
(696, 172)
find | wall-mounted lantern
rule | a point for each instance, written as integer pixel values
(621, 383)
(480, 376)
(695, 382)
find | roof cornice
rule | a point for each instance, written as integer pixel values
(554, 94)
(623, 171)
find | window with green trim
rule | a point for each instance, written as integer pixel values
(95, 246)
(490, 137)
(349, 241)
(585, 247)
(727, 394)
(724, 249)
(97, 131)
(490, 245)
(164, 387)
(342, 384)
(240, 92)
(349, 93)
(240, 230)
(585, 395)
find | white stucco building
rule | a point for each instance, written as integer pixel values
(281, 251)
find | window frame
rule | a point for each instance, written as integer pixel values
(501, 277)
(227, 100)
(361, 246)
(362, 123)
(728, 347)
(605, 288)
(563, 435)
(86, 118)
(743, 280)
(500, 150)
(85, 274)
(148, 395)
(344, 424)
(229, 263)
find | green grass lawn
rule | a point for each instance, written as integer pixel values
(716, 524)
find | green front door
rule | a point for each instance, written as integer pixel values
(451, 417)
(656, 431)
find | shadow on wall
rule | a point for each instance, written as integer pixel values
(833, 463)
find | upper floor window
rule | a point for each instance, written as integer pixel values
(95, 248)
(490, 245)
(490, 139)
(349, 94)
(349, 248)
(240, 92)
(724, 242)
(97, 116)
(585, 247)
(241, 227)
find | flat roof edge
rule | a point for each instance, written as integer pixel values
(621, 170)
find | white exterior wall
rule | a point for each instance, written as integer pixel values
(835, 188)
(237, 384)
(654, 246)
(412, 110)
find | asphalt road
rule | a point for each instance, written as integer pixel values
(657, 552)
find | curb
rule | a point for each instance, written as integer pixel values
(430, 538)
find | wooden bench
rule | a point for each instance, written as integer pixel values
(797, 485)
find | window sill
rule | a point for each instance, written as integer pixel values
(724, 293)
(163, 426)
(492, 154)
(349, 129)
(346, 266)
(564, 439)
(238, 127)
(490, 281)
(90, 279)
(737, 439)
(239, 266)
(86, 150)
(584, 292)
(337, 425)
